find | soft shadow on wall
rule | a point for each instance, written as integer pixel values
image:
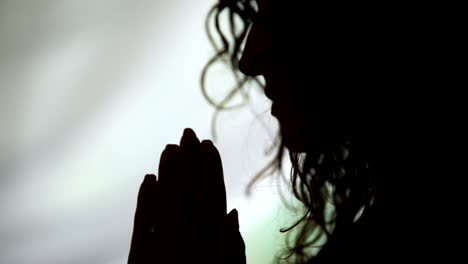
(91, 93)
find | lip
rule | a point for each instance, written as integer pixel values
(276, 111)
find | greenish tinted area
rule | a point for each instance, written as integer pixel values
(265, 242)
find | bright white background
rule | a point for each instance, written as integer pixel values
(90, 93)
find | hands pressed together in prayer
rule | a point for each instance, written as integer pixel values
(181, 216)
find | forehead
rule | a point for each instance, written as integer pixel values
(323, 17)
(321, 10)
(274, 6)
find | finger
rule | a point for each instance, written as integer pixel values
(211, 203)
(143, 228)
(232, 221)
(187, 173)
(166, 177)
(182, 196)
(189, 139)
(212, 178)
(235, 246)
(164, 227)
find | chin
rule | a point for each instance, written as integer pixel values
(293, 145)
(310, 147)
(296, 149)
(294, 142)
(302, 142)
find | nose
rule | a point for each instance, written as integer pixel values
(256, 58)
(248, 66)
(256, 52)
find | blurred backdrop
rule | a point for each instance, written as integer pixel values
(91, 92)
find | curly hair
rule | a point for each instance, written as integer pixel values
(332, 184)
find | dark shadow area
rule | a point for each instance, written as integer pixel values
(349, 85)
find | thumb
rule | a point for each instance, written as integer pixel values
(235, 244)
(233, 219)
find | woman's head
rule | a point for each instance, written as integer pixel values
(318, 63)
(316, 66)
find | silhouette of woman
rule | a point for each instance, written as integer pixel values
(331, 72)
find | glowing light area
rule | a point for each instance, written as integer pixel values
(93, 93)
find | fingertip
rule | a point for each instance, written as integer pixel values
(189, 138)
(207, 143)
(167, 163)
(171, 148)
(234, 212)
(188, 132)
(150, 178)
(208, 146)
(234, 218)
(169, 153)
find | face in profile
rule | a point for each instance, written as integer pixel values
(312, 71)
